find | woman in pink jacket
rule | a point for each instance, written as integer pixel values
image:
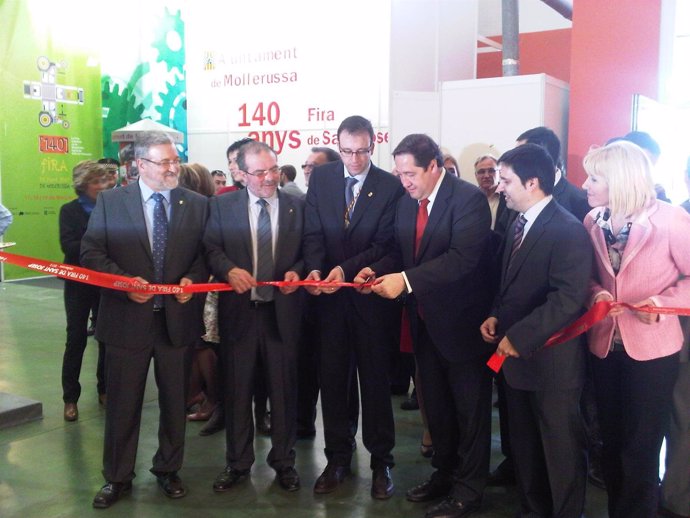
(642, 254)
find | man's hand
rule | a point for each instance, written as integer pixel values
(646, 318)
(389, 286)
(241, 280)
(183, 298)
(314, 275)
(289, 277)
(365, 275)
(139, 298)
(488, 330)
(505, 348)
(336, 275)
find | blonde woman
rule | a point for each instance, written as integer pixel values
(642, 256)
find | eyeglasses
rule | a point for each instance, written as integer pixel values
(488, 170)
(261, 173)
(357, 152)
(165, 163)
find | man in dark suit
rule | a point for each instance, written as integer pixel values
(443, 267)
(255, 234)
(545, 273)
(349, 215)
(151, 231)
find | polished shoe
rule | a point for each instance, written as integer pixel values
(215, 423)
(435, 487)
(201, 415)
(263, 424)
(503, 475)
(228, 478)
(410, 403)
(111, 493)
(382, 483)
(102, 400)
(171, 484)
(71, 412)
(452, 508)
(427, 450)
(288, 479)
(331, 477)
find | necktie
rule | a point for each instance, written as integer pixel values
(350, 198)
(264, 252)
(422, 218)
(517, 240)
(160, 238)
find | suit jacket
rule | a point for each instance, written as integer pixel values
(291, 188)
(655, 260)
(229, 244)
(116, 242)
(544, 290)
(73, 222)
(571, 198)
(449, 276)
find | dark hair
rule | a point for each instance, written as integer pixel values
(356, 124)
(253, 147)
(289, 171)
(546, 138)
(645, 141)
(422, 148)
(238, 144)
(331, 154)
(218, 172)
(109, 161)
(531, 161)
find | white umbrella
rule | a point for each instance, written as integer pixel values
(129, 133)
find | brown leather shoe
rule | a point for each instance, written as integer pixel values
(71, 412)
(382, 483)
(331, 477)
(111, 493)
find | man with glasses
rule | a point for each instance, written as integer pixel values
(486, 173)
(256, 235)
(318, 156)
(348, 225)
(149, 231)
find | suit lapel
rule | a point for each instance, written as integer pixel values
(135, 209)
(437, 211)
(600, 249)
(239, 212)
(286, 222)
(178, 207)
(640, 231)
(406, 228)
(365, 198)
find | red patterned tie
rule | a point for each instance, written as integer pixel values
(422, 218)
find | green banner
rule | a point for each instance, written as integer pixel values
(50, 118)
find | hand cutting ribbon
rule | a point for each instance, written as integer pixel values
(596, 313)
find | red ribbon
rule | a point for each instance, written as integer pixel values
(121, 283)
(597, 312)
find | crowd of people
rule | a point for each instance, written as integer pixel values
(463, 271)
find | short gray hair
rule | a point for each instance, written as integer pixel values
(147, 140)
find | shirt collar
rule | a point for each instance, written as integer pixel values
(146, 192)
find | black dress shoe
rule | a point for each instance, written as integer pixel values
(228, 478)
(263, 423)
(452, 508)
(171, 484)
(111, 493)
(331, 477)
(437, 486)
(288, 479)
(382, 483)
(503, 475)
(215, 423)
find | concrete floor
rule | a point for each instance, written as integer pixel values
(51, 468)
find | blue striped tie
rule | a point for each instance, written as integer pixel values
(160, 238)
(264, 252)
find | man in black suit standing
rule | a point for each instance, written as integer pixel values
(349, 215)
(442, 232)
(255, 234)
(545, 273)
(151, 231)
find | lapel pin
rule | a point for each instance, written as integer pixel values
(370, 194)
(290, 211)
(181, 202)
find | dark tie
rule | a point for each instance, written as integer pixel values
(517, 239)
(264, 252)
(422, 218)
(350, 198)
(160, 238)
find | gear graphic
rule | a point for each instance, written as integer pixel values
(120, 107)
(173, 109)
(170, 32)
